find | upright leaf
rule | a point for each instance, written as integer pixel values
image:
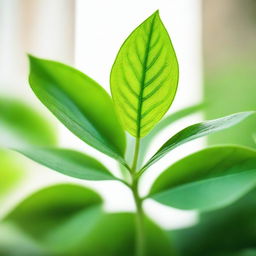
(69, 162)
(196, 131)
(193, 183)
(144, 77)
(79, 103)
(21, 124)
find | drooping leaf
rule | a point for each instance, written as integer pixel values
(21, 124)
(164, 124)
(69, 162)
(81, 104)
(196, 131)
(226, 232)
(208, 179)
(67, 220)
(144, 77)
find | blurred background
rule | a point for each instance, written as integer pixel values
(215, 43)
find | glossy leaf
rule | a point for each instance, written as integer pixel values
(21, 124)
(225, 232)
(144, 77)
(69, 162)
(81, 104)
(67, 220)
(193, 183)
(196, 131)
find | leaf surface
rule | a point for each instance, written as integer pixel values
(80, 103)
(144, 77)
(225, 232)
(194, 183)
(196, 131)
(69, 162)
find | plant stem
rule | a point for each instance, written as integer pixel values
(140, 231)
(140, 235)
(136, 155)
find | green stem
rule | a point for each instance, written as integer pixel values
(140, 229)
(140, 234)
(136, 155)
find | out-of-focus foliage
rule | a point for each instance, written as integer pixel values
(232, 89)
(20, 124)
(11, 172)
(68, 219)
(227, 232)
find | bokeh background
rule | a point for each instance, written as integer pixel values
(215, 43)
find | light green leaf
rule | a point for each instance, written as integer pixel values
(79, 103)
(144, 77)
(11, 172)
(226, 232)
(21, 124)
(194, 183)
(196, 131)
(67, 220)
(69, 162)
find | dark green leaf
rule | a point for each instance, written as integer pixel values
(144, 77)
(226, 232)
(69, 162)
(201, 180)
(21, 124)
(196, 131)
(79, 103)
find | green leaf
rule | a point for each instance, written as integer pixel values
(21, 124)
(11, 172)
(69, 162)
(79, 103)
(48, 208)
(67, 220)
(164, 124)
(226, 232)
(196, 131)
(194, 183)
(144, 77)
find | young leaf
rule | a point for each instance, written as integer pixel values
(196, 131)
(79, 103)
(69, 162)
(144, 77)
(193, 183)
(21, 124)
